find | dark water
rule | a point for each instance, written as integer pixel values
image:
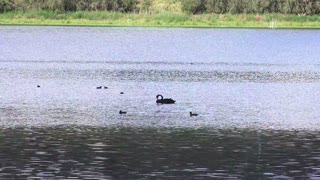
(152, 153)
(256, 93)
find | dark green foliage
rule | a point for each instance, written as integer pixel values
(194, 6)
(69, 5)
(6, 5)
(299, 7)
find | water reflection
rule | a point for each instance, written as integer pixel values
(133, 153)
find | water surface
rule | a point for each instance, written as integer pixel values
(256, 92)
(152, 153)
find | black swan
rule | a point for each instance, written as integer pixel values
(193, 114)
(122, 112)
(160, 100)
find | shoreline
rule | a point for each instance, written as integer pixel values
(157, 26)
(114, 19)
(146, 26)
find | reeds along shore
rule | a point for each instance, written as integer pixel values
(106, 18)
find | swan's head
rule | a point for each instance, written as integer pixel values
(159, 96)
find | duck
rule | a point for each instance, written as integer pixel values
(38, 86)
(122, 112)
(121, 92)
(161, 100)
(193, 114)
(105, 87)
(99, 87)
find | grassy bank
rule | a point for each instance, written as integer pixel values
(102, 18)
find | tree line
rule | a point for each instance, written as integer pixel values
(301, 7)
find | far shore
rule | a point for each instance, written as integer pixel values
(115, 19)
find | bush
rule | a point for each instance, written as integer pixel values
(303, 7)
(6, 5)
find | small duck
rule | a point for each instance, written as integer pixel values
(38, 86)
(122, 112)
(192, 114)
(121, 92)
(105, 87)
(99, 87)
(164, 101)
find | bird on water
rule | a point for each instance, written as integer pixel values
(192, 114)
(122, 112)
(161, 100)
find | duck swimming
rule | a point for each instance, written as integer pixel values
(122, 112)
(192, 114)
(161, 100)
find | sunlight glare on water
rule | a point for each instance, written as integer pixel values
(256, 93)
(224, 95)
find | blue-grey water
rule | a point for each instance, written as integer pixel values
(256, 93)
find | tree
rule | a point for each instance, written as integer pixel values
(144, 6)
(6, 5)
(193, 6)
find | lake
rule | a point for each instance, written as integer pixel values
(255, 90)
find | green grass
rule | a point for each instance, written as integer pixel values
(102, 18)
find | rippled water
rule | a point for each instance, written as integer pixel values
(152, 153)
(256, 93)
